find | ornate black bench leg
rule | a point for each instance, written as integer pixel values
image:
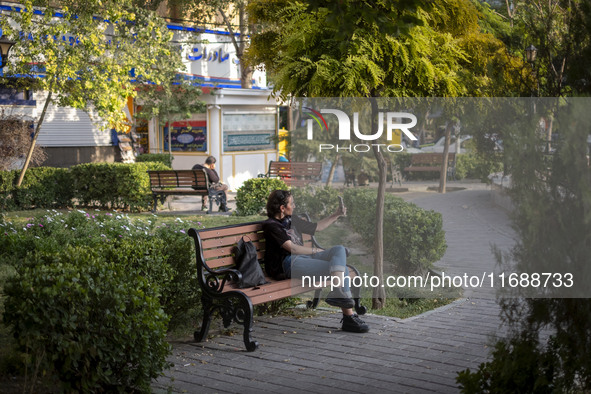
(242, 313)
(314, 303)
(215, 196)
(235, 306)
(248, 322)
(207, 310)
(155, 203)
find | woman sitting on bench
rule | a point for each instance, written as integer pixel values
(286, 257)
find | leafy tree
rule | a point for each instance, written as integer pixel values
(169, 102)
(370, 49)
(552, 218)
(88, 54)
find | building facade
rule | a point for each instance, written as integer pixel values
(238, 127)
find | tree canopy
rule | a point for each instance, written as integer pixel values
(88, 54)
(404, 48)
(394, 48)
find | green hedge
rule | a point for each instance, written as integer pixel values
(163, 158)
(7, 200)
(98, 325)
(42, 187)
(113, 185)
(413, 237)
(94, 293)
(318, 202)
(45, 187)
(474, 166)
(251, 197)
(163, 254)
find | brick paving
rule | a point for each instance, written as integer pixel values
(416, 355)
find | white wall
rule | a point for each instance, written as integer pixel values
(66, 126)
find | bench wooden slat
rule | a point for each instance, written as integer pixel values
(217, 251)
(271, 291)
(266, 297)
(228, 261)
(225, 241)
(231, 230)
(180, 182)
(295, 173)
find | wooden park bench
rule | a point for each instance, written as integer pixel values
(182, 183)
(430, 162)
(295, 173)
(218, 278)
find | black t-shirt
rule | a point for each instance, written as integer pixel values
(277, 232)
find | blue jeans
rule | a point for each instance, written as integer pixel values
(318, 265)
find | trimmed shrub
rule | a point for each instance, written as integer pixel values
(474, 166)
(98, 325)
(166, 259)
(251, 197)
(401, 161)
(163, 158)
(163, 254)
(42, 187)
(45, 187)
(518, 365)
(7, 181)
(413, 237)
(317, 202)
(115, 185)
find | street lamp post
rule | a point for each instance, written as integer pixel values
(5, 45)
(530, 54)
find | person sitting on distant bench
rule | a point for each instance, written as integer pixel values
(215, 182)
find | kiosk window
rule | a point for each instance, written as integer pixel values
(249, 131)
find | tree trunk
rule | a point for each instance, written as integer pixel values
(443, 174)
(333, 169)
(293, 115)
(245, 75)
(34, 141)
(246, 71)
(169, 134)
(549, 133)
(379, 292)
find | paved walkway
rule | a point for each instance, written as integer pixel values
(420, 354)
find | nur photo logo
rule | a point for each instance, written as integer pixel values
(396, 124)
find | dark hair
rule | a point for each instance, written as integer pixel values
(276, 200)
(210, 160)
